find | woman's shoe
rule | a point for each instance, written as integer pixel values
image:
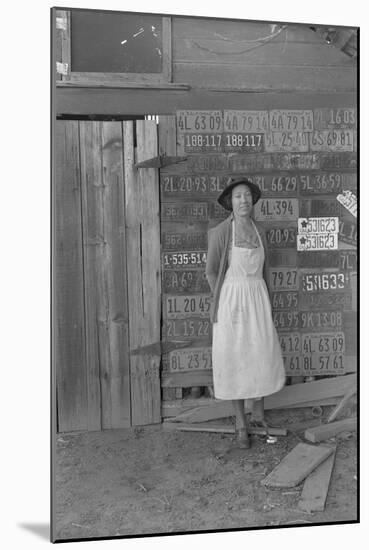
(243, 438)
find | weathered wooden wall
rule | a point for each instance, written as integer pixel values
(107, 275)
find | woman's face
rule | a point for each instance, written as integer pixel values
(242, 200)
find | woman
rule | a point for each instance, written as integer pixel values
(246, 354)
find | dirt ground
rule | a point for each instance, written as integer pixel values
(151, 480)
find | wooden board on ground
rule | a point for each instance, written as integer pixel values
(219, 428)
(315, 490)
(340, 406)
(298, 464)
(330, 430)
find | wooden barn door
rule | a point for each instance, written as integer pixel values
(106, 275)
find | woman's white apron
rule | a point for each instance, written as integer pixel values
(246, 354)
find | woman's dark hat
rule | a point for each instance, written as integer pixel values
(225, 198)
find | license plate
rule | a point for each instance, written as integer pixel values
(243, 143)
(332, 140)
(348, 232)
(203, 143)
(349, 201)
(318, 320)
(323, 343)
(277, 209)
(318, 259)
(318, 225)
(186, 240)
(290, 343)
(285, 257)
(301, 120)
(286, 320)
(320, 208)
(325, 183)
(317, 241)
(322, 364)
(187, 186)
(283, 279)
(324, 300)
(324, 281)
(196, 305)
(216, 211)
(185, 211)
(348, 260)
(186, 328)
(338, 161)
(287, 142)
(193, 359)
(314, 365)
(207, 163)
(184, 259)
(281, 237)
(271, 185)
(246, 121)
(185, 281)
(250, 163)
(199, 121)
(285, 300)
(334, 118)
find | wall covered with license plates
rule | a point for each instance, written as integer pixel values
(305, 163)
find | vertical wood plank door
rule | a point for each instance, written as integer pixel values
(143, 264)
(105, 275)
(68, 295)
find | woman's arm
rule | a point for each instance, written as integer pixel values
(213, 258)
(266, 262)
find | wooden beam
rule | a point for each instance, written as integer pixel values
(341, 405)
(220, 428)
(330, 430)
(315, 489)
(296, 465)
(124, 101)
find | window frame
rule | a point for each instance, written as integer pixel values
(68, 77)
